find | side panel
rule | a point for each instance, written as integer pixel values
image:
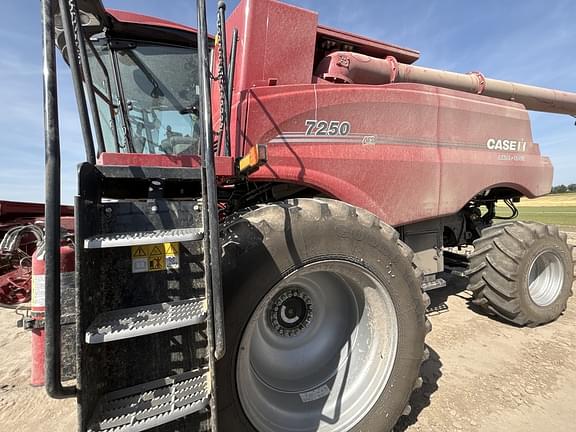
(277, 42)
(412, 152)
(486, 143)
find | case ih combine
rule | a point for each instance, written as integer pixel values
(258, 218)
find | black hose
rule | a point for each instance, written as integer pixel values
(512, 208)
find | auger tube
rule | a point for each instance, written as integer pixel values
(354, 68)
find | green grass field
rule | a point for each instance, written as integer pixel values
(557, 209)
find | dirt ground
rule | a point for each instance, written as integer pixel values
(483, 375)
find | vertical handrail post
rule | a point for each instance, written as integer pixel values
(67, 8)
(53, 379)
(210, 211)
(87, 76)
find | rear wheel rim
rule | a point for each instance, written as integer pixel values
(318, 350)
(545, 278)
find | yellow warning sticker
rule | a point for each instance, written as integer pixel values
(155, 257)
(139, 252)
(172, 248)
(172, 257)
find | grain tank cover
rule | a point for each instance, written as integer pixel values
(281, 44)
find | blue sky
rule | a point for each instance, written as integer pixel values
(521, 40)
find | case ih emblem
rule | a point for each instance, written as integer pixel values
(504, 144)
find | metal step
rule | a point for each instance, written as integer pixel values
(138, 321)
(435, 284)
(143, 238)
(152, 404)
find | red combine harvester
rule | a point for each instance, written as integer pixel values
(259, 218)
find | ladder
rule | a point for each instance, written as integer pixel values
(148, 300)
(146, 345)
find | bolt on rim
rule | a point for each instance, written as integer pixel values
(318, 350)
(545, 278)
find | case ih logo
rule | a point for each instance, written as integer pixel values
(504, 144)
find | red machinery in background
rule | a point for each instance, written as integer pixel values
(22, 269)
(21, 228)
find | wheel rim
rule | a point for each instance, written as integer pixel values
(313, 357)
(545, 278)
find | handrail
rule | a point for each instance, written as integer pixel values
(211, 245)
(66, 9)
(53, 379)
(232, 67)
(211, 198)
(87, 75)
(224, 137)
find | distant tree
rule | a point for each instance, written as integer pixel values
(560, 189)
(572, 187)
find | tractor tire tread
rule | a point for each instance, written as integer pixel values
(493, 274)
(271, 217)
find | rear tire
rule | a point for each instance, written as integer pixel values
(522, 272)
(329, 255)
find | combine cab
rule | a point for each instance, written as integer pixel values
(260, 214)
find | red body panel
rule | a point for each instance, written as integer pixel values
(412, 152)
(224, 165)
(276, 42)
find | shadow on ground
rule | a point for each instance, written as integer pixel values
(456, 286)
(431, 371)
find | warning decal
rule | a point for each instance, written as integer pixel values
(156, 260)
(171, 251)
(139, 259)
(155, 257)
(138, 251)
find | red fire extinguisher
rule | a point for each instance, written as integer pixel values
(36, 324)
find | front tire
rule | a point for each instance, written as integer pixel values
(325, 321)
(522, 272)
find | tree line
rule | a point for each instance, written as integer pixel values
(563, 188)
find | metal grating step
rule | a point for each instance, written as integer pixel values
(143, 238)
(435, 284)
(139, 321)
(152, 404)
